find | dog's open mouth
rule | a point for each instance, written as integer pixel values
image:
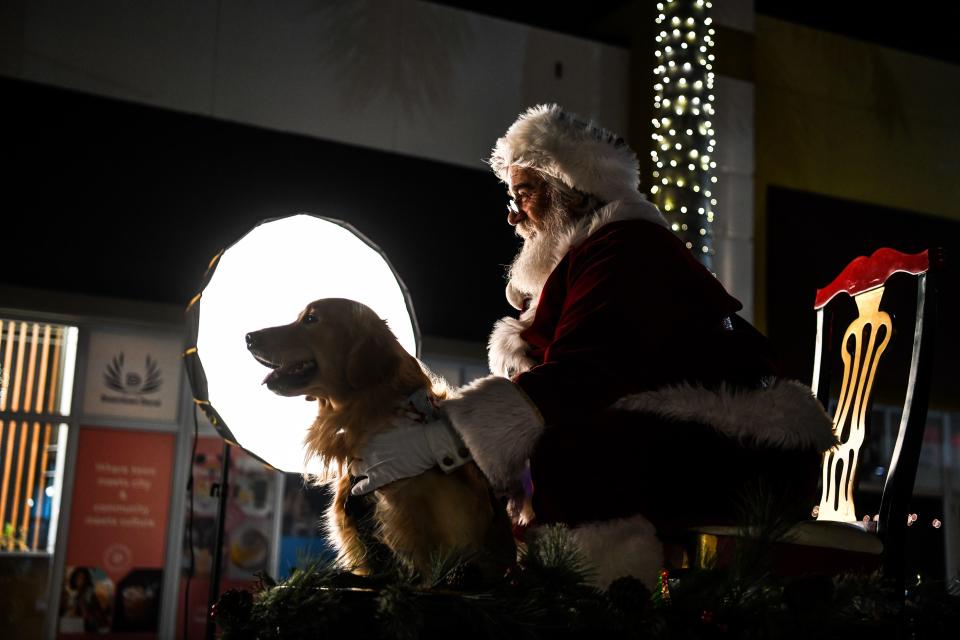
(287, 376)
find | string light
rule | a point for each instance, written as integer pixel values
(684, 141)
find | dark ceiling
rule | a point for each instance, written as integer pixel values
(926, 29)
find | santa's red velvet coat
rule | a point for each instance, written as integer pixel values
(637, 397)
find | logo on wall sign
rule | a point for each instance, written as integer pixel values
(134, 385)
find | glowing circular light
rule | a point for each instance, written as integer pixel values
(265, 279)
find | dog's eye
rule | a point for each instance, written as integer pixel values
(309, 319)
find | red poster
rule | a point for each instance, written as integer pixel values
(117, 535)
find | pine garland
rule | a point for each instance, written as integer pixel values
(548, 596)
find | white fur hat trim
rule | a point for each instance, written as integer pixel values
(581, 154)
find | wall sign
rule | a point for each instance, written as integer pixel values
(133, 376)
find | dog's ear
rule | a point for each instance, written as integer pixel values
(373, 358)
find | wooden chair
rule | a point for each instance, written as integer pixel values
(838, 539)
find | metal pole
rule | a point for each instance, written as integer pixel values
(218, 547)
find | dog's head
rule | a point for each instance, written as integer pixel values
(334, 348)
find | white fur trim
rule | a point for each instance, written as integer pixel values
(786, 415)
(618, 211)
(499, 425)
(583, 155)
(635, 208)
(623, 547)
(506, 350)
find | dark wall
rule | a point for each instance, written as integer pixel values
(811, 238)
(109, 198)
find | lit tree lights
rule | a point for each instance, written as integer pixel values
(683, 135)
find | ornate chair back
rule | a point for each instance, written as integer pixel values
(860, 350)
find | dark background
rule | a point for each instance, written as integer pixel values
(811, 238)
(927, 29)
(110, 198)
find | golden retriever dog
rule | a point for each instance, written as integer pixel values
(341, 355)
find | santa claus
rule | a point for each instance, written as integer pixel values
(628, 400)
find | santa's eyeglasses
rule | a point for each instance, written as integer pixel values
(514, 204)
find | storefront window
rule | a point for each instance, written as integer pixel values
(37, 362)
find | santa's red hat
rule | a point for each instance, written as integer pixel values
(580, 154)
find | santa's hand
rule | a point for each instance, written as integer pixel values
(406, 451)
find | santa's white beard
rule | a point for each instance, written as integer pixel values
(538, 256)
